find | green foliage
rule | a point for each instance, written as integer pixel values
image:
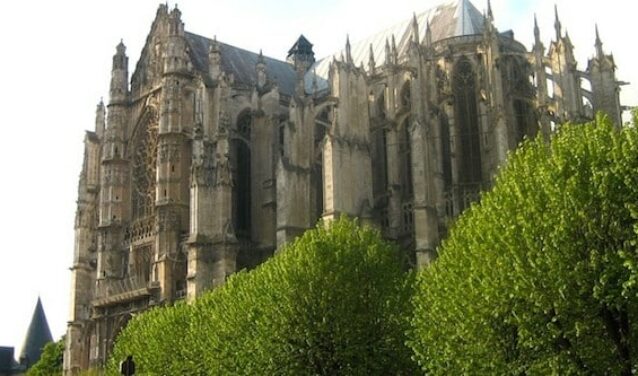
(336, 301)
(50, 362)
(541, 277)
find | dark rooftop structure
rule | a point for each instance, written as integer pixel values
(37, 336)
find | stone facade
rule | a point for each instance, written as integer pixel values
(211, 157)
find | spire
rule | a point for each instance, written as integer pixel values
(371, 63)
(428, 34)
(388, 52)
(537, 32)
(599, 45)
(348, 50)
(490, 15)
(415, 29)
(37, 336)
(557, 25)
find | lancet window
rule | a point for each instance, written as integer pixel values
(241, 173)
(467, 116)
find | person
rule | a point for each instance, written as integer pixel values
(127, 367)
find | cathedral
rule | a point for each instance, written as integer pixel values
(209, 158)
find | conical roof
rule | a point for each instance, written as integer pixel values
(38, 335)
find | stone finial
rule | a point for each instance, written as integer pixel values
(428, 34)
(537, 31)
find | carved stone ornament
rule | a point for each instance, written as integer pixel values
(169, 152)
(167, 220)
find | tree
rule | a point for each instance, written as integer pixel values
(50, 362)
(336, 301)
(541, 276)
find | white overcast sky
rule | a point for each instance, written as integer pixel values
(55, 66)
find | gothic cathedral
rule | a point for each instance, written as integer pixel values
(210, 157)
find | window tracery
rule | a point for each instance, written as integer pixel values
(144, 168)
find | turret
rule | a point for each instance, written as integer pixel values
(301, 54)
(119, 75)
(176, 60)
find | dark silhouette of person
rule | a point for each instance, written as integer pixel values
(127, 367)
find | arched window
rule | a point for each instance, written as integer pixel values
(466, 109)
(240, 159)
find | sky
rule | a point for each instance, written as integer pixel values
(55, 66)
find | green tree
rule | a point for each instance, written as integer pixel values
(50, 362)
(540, 276)
(336, 301)
(156, 340)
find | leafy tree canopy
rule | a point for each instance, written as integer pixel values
(336, 301)
(541, 276)
(50, 362)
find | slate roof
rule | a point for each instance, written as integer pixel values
(450, 19)
(241, 63)
(37, 336)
